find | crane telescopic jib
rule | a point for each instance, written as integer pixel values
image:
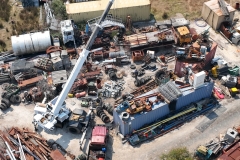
(56, 109)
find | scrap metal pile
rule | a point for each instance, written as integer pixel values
(221, 146)
(16, 143)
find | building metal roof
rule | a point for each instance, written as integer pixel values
(91, 6)
(214, 6)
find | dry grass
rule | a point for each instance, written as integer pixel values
(20, 21)
(191, 9)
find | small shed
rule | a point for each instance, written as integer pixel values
(213, 15)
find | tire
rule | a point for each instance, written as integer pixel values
(12, 99)
(99, 112)
(5, 86)
(6, 101)
(3, 94)
(18, 99)
(132, 66)
(74, 130)
(105, 119)
(102, 115)
(3, 106)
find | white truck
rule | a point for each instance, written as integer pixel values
(67, 31)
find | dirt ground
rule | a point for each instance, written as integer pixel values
(191, 9)
(198, 131)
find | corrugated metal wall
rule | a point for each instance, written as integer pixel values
(196, 95)
(138, 13)
(139, 120)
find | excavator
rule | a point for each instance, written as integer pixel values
(56, 110)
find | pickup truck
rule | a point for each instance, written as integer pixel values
(98, 144)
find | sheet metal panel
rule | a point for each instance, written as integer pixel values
(138, 120)
(190, 96)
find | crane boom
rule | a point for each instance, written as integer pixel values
(80, 61)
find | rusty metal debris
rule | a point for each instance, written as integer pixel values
(16, 143)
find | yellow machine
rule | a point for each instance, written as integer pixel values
(182, 35)
(214, 71)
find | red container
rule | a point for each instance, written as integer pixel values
(81, 94)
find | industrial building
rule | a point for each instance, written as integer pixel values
(161, 109)
(139, 10)
(213, 15)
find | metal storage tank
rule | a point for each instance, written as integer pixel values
(212, 14)
(31, 43)
(139, 10)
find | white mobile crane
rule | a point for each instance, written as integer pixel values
(56, 110)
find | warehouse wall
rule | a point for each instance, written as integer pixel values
(138, 13)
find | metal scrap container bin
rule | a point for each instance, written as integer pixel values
(138, 120)
(190, 96)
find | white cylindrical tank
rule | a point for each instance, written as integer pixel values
(31, 43)
(116, 54)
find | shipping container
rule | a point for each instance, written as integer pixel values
(139, 10)
(190, 95)
(161, 110)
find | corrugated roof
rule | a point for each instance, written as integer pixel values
(101, 5)
(214, 6)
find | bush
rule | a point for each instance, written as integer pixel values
(2, 44)
(5, 9)
(29, 20)
(177, 154)
(165, 15)
(1, 25)
(59, 9)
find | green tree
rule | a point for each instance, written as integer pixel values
(59, 9)
(165, 15)
(177, 154)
